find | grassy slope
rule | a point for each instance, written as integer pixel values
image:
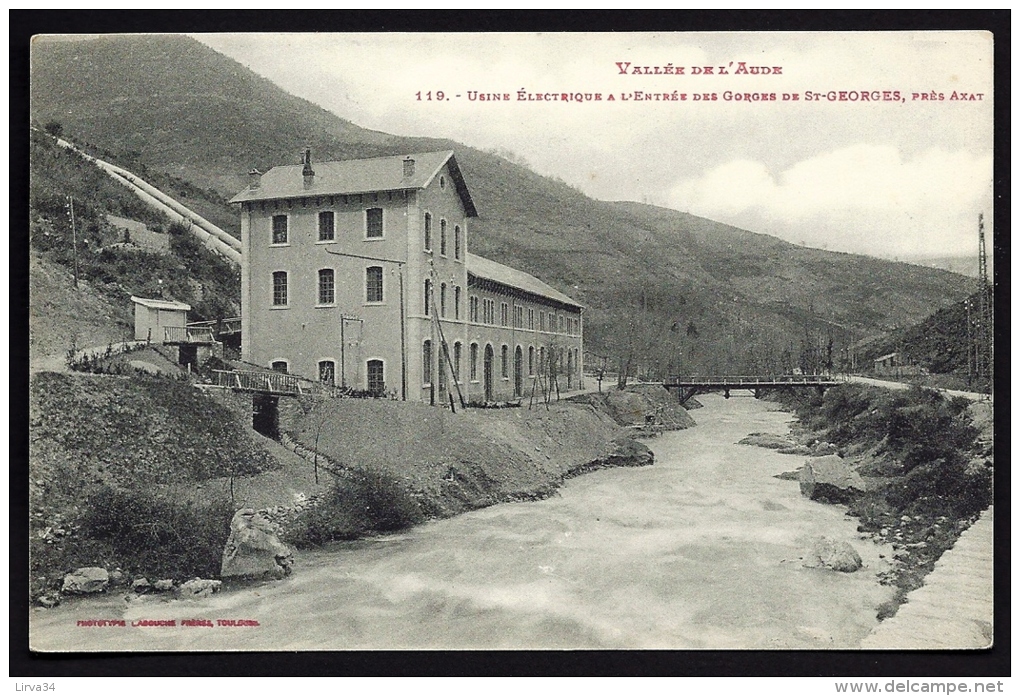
(105, 456)
(213, 121)
(60, 315)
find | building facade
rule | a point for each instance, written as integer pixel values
(358, 273)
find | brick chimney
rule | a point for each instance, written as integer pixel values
(254, 178)
(307, 171)
(408, 167)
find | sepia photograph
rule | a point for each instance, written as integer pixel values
(674, 341)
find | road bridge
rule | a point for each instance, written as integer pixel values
(688, 387)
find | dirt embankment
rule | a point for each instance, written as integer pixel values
(454, 462)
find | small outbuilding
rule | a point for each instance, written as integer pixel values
(152, 317)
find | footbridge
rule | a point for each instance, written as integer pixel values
(688, 387)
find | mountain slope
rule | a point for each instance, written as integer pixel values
(171, 104)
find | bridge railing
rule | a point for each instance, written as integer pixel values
(271, 382)
(276, 383)
(751, 380)
(188, 334)
(219, 326)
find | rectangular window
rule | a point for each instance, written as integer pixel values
(473, 309)
(428, 231)
(374, 284)
(456, 361)
(541, 321)
(327, 371)
(456, 302)
(504, 362)
(442, 237)
(503, 314)
(327, 228)
(374, 223)
(531, 319)
(474, 361)
(327, 286)
(280, 288)
(456, 242)
(428, 296)
(442, 299)
(279, 229)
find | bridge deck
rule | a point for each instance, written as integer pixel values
(692, 386)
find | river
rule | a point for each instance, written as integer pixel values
(699, 551)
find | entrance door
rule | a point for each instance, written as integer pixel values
(518, 371)
(488, 373)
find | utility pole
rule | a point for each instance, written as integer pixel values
(74, 239)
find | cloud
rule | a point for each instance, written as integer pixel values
(862, 198)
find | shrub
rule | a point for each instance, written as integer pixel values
(157, 536)
(360, 502)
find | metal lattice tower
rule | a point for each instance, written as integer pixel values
(984, 335)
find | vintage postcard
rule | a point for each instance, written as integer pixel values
(510, 341)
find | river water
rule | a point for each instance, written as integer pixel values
(699, 551)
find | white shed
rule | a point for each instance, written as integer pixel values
(152, 317)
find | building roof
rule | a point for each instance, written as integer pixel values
(886, 357)
(491, 270)
(349, 177)
(161, 304)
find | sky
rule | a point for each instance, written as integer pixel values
(897, 176)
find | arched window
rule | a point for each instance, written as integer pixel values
(327, 371)
(456, 242)
(442, 299)
(456, 361)
(456, 302)
(428, 231)
(428, 296)
(280, 288)
(376, 377)
(504, 366)
(426, 362)
(474, 362)
(279, 366)
(327, 286)
(374, 284)
(531, 360)
(442, 237)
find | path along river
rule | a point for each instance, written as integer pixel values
(700, 551)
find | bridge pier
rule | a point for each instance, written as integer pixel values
(266, 415)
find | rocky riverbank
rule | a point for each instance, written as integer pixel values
(913, 466)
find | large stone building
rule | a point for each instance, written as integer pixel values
(358, 273)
